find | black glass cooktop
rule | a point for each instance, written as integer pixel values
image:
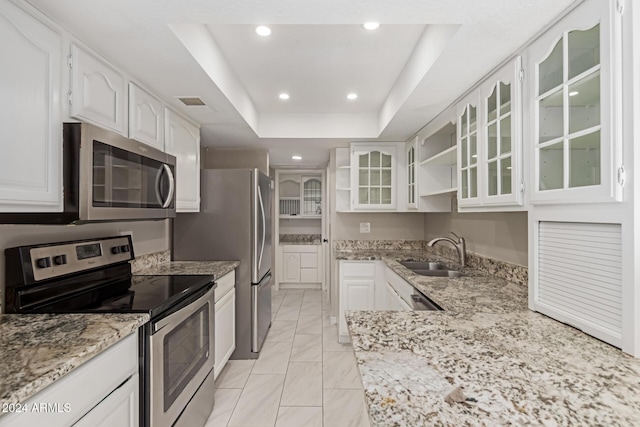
(131, 294)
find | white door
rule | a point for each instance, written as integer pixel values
(392, 298)
(291, 267)
(98, 92)
(120, 408)
(182, 140)
(357, 294)
(146, 120)
(30, 114)
(225, 326)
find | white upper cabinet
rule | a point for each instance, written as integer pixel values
(574, 114)
(468, 155)
(373, 176)
(182, 140)
(501, 138)
(30, 113)
(98, 92)
(146, 120)
(412, 174)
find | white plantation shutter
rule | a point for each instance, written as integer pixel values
(579, 277)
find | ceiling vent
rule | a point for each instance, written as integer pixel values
(191, 101)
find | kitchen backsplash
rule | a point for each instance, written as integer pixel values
(150, 260)
(505, 270)
(393, 245)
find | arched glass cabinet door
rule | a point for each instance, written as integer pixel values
(412, 172)
(373, 176)
(502, 136)
(468, 152)
(576, 148)
(311, 196)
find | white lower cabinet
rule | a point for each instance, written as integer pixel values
(399, 291)
(357, 291)
(104, 391)
(225, 321)
(301, 264)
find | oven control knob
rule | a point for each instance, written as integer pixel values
(116, 250)
(43, 262)
(125, 248)
(60, 259)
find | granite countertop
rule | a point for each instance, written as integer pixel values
(216, 268)
(486, 360)
(37, 349)
(300, 239)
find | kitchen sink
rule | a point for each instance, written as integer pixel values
(434, 269)
(438, 273)
(424, 265)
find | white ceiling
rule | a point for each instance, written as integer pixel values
(425, 55)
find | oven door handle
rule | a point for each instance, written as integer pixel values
(182, 314)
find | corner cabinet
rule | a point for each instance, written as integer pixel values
(437, 161)
(182, 140)
(373, 176)
(146, 118)
(575, 89)
(98, 92)
(357, 286)
(31, 119)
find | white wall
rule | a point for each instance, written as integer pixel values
(501, 235)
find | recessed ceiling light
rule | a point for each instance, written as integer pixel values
(352, 96)
(263, 31)
(296, 157)
(574, 93)
(284, 96)
(371, 26)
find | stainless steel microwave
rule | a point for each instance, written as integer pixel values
(108, 177)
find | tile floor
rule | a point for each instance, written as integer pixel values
(303, 377)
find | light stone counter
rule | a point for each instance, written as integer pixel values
(512, 369)
(216, 268)
(300, 239)
(486, 360)
(37, 349)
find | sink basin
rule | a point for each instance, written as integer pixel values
(424, 265)
(438, 273)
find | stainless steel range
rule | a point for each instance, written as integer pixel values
(94, 276)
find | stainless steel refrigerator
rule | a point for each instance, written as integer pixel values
(234, 223)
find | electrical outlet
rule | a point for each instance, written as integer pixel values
(365, 227)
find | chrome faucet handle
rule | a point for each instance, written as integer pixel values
(455, 235)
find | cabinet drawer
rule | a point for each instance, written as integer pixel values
(300, 248)
(224, 285)
(309, 260)
(308, 275)
(357, 268)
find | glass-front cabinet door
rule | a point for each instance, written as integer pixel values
(468, 151)
(373, 176)
(311, 196)
(574, 115)
(502, 136)
(412, 173)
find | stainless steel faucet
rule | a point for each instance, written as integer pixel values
(460, 245)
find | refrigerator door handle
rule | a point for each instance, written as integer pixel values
(264, 227)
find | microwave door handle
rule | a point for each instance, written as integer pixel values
(264, 226)
(172, 185)
(158, 192)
